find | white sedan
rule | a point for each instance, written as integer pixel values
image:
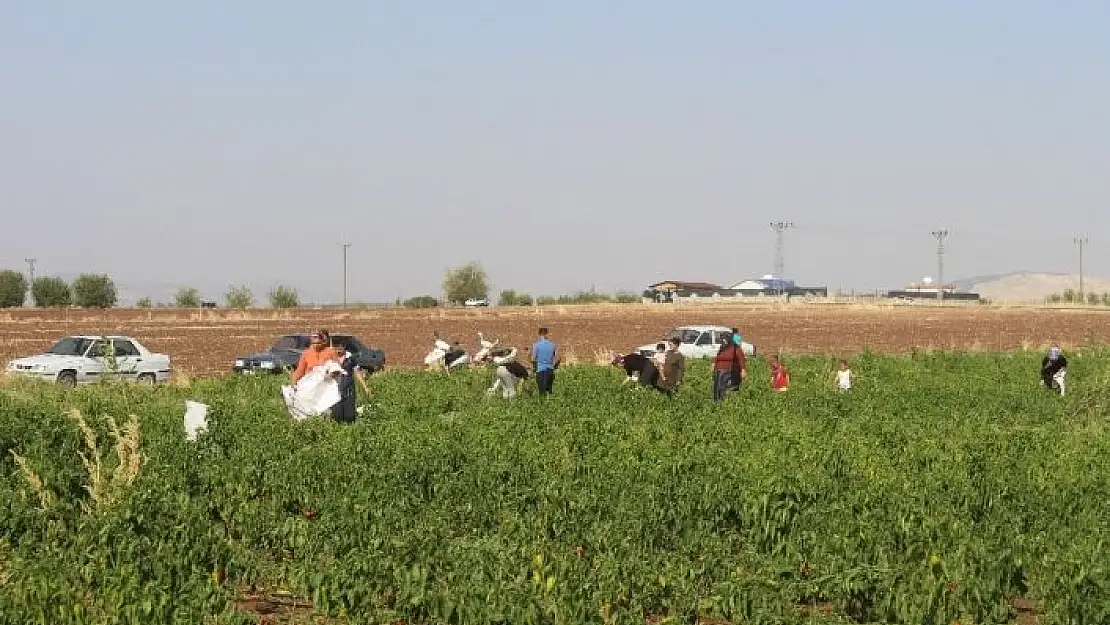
(81, 359)
(699, 341)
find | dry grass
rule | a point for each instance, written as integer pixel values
(46, 498)
(106, 484)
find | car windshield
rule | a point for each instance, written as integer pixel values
(70, 346)
(292, 342)
(685, 335)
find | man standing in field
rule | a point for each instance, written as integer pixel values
(544, 362)
(673, 369)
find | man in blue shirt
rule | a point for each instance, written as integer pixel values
(544, 362)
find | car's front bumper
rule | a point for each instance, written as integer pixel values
(249, 367)
(30, 373)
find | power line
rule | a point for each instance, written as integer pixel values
(1081, 241)
(779, 227)
(940, 236)
(346, 246)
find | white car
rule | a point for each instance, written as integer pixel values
(81, 359)
(476, 303)
(699, 341)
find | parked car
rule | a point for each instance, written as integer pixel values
(476, 303)
(81, 359)
(698, 341)
(286, 352)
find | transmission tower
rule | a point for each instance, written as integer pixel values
(940, 236)
(779, 227)
(1081, 241)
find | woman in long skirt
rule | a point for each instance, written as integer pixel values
(347, 409)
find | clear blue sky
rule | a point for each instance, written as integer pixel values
(562, 144)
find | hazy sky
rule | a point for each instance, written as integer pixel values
(562, 144)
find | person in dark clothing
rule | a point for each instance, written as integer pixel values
(1054, 368)
(633, 365)
(674, 368)
(347, 408)
(639, 368)
(729, 368)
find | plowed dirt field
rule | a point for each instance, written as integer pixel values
(206, 343)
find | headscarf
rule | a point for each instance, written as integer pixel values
(1054, 353)
(736, 338)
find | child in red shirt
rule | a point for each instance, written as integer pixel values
(780, 376)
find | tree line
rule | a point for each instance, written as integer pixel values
(1071, 296)
(460, 284)
(470, 282)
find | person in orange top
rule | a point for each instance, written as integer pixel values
(319, 352)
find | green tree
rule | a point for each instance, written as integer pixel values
(51, 292)
(626, 297)
(144, 303)
(94, 290)
(239, 297)
(510, 297)
(421, 301)
(13, 288)
(1093, 299)
(284, 297)
(187, 297)
(468, 281)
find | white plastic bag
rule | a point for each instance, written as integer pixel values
(313, 394)
(196, 419)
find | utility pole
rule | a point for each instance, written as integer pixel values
(31, 270)
(779, 227)
(1081, 241)
(940, 236)
(345, 247)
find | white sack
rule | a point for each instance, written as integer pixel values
(313, 394)
(196, 419)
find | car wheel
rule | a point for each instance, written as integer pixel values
(67, 379)
(147, 378)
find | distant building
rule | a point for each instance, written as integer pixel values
(927, 289)
(668, 290)
(771, 286)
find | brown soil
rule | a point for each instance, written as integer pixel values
(206, 343)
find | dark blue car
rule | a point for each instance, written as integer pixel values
(286, 352)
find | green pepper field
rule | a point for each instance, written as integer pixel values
(943, 488)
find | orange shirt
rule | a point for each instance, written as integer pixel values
(310, 359)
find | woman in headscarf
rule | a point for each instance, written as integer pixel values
(1054, 369)
(347, 409)
(319, 352)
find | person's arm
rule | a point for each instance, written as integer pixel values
(302, 368)
(743, 361)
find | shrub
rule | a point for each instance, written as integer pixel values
(144, 303)
(91, 290)
(284, 297)
(50, 292)
(421, 301)
(239, 297)
(510, 297)
(13, 288)
(187, 297)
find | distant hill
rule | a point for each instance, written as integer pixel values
(1029, 286)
